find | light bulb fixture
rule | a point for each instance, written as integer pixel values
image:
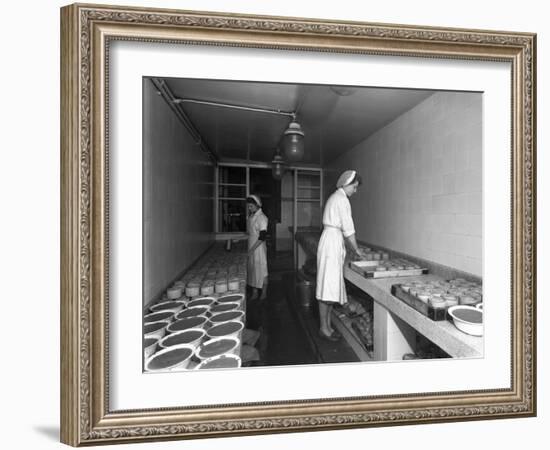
(293, 142)
(343, 91)
(278, 166)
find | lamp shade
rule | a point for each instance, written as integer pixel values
(293, 142)
(278, 166)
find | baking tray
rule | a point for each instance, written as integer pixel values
(368, 270)
(436, 314)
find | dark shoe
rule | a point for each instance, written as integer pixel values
(337, 334)
(331, 337)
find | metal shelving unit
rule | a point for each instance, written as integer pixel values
(306, 182)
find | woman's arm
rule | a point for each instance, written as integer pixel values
(261, 238)
(353, 244)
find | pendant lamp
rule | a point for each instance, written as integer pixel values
(293, 142)
(278, 166)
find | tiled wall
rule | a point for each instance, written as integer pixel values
(178, 196)
(422, 182)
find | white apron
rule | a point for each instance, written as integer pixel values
(257, 261)
(331, 252)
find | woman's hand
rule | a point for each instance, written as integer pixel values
(360, 253)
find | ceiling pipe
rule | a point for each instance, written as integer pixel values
(240, 107)
(293, 136)
(163, 90)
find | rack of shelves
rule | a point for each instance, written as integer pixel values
(308, 190)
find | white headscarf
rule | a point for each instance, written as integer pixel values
(256, 199)
(346, 178)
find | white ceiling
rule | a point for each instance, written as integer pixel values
(334, 119)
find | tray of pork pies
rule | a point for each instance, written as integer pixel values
(387, 268)
(434, 298)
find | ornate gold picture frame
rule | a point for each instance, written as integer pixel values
(87, 31)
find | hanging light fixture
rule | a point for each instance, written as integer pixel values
(278, 165)
(293, 141)
(293, 136)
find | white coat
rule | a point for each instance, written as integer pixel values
(257, 261)
(331, 252)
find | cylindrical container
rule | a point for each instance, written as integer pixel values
(226, 317)
(173, 293)
(233, 284)
(450, 300)
(467, 300)
(160, 315)
(192, 289)
(221, 362)
(149, 346)
(172, 358)
(155, 329)
(172, 305)
(207, 288)
(220, 287)
(226, 329)
(376, 256)
(185, 324)
(192, 337)
(306, 292)
(437, 302)
(192, 312)
(217, 347)
(423, 296)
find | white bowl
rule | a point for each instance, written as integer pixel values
(201, 301)
(173, 339)
(209, 350)
(158, 316)
(149, 346)
(187, 323)
(236, 329)
(192, 312)
(227, 316)
(180, 363)
(155, 329)
(172, 305)
(231, 298)
(465, 324)
(218, 308)
(214, 363)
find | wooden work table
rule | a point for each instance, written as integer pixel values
(395, 322)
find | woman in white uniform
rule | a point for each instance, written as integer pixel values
(257, 252)
(331, 252)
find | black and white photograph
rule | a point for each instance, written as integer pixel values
(301, 224)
